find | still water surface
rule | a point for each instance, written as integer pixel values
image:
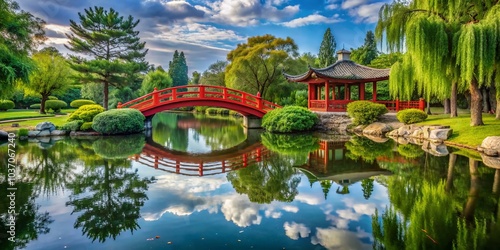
(200, 182)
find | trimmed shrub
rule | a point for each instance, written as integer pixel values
(22, 132)
(289, 119)
(80, 102)
(73, 125)
(6, 104)
(409, 116)
(119, 121)
(86, 126)
(35, 106)
(55, 105)
(86, 113)
(365, 112)
(52, 98)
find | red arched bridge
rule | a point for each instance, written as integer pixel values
(155, 156)
(200, 95)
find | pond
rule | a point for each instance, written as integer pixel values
(200, 182)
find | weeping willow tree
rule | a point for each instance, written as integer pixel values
(449, 45)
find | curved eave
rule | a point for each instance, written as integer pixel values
(299, 78)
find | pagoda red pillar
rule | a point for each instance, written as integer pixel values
(361, 89)
(374, 91)
(327, 92)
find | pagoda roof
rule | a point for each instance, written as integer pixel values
(341, 70)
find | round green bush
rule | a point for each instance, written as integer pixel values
(72, 125)
(22, 132)
(80, 102)
(86, 126)
(86, 112)
(289, 119)
(52, 98)
(55, 105)
(365, 112)
(35, 106)
(409, 116)
(6, 104)
(119, 121)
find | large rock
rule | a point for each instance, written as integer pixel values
(45, 126)
(435, 149)
(490, 146)
(377, 128)
(43, 133)
(492, 162)
(33, 133)
(58, 132)
(3, 134)
(440, 134)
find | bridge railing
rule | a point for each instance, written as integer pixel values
(193, 92)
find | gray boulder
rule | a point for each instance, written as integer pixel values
(45, 126)
(58, 132)
(43, 133)
(492, 162)
(490, 146)
(3, 134)
(435, 149)
(33, 133)
(440, 134)
(377, 128)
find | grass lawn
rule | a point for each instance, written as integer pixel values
(463, 133)
(58, 121)
(14, 114)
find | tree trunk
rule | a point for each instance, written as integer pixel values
(486, 100)
(497, 113)
(470, 206)
(42, 104)
(453, 100)
(449, 177)
(105, 97)
(429, 107)
(446, 105)
(493, 99)
(467, 97)
(476, 104)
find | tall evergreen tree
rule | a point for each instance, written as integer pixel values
(114, 54)
(366, 53)
(327, 49)
(449, 44)
(20, 34)
(178, 70)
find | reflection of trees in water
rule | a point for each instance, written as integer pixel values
(227, 133)
(290, 143)
(273, 179)
(366, 149)
(165, 131)
(106, 193)
(437, 207)
(30, 223)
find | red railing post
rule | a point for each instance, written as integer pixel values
(243, 98)
(397, 104)
(259, 101)
(119, 105)
(177, 167)
(223, 166)
(202, 91)
(200, 169)
(174, 94)
(245, 160)
(224, 93)
(421, 104)
(156, 96)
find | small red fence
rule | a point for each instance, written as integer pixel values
(341, 105)
(190, 93)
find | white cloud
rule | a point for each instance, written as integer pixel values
(247, 12)
(312, 19)
(241, 211)
(310, 199)
(331, 6)
(334, 238)
(290, 209)
(347, 4)
(294, 230)
(188, 184)
(366, 13)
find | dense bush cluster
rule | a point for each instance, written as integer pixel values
(217, 111)
(86, 113)
(86, 126)
(289, 119)
(119, 121)
(6, 104)
(55, 105)
(72, 125)
(80, 102)
(365, 112)
(35, 106)
(409, 116)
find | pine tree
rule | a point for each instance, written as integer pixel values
(327, 49)
(114, 54)
(178, 70)
(366, 53)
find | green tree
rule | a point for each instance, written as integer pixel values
(93, 91)
(447, 43)
(367, 52)
(52, 76)
(215, 74)
(327, 49)
(114, 54)
(178, 69)
(256, 65)
(196, 78)
(20, 34)
(155, 79)
(385, 61)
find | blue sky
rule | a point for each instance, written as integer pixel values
(207, 30)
